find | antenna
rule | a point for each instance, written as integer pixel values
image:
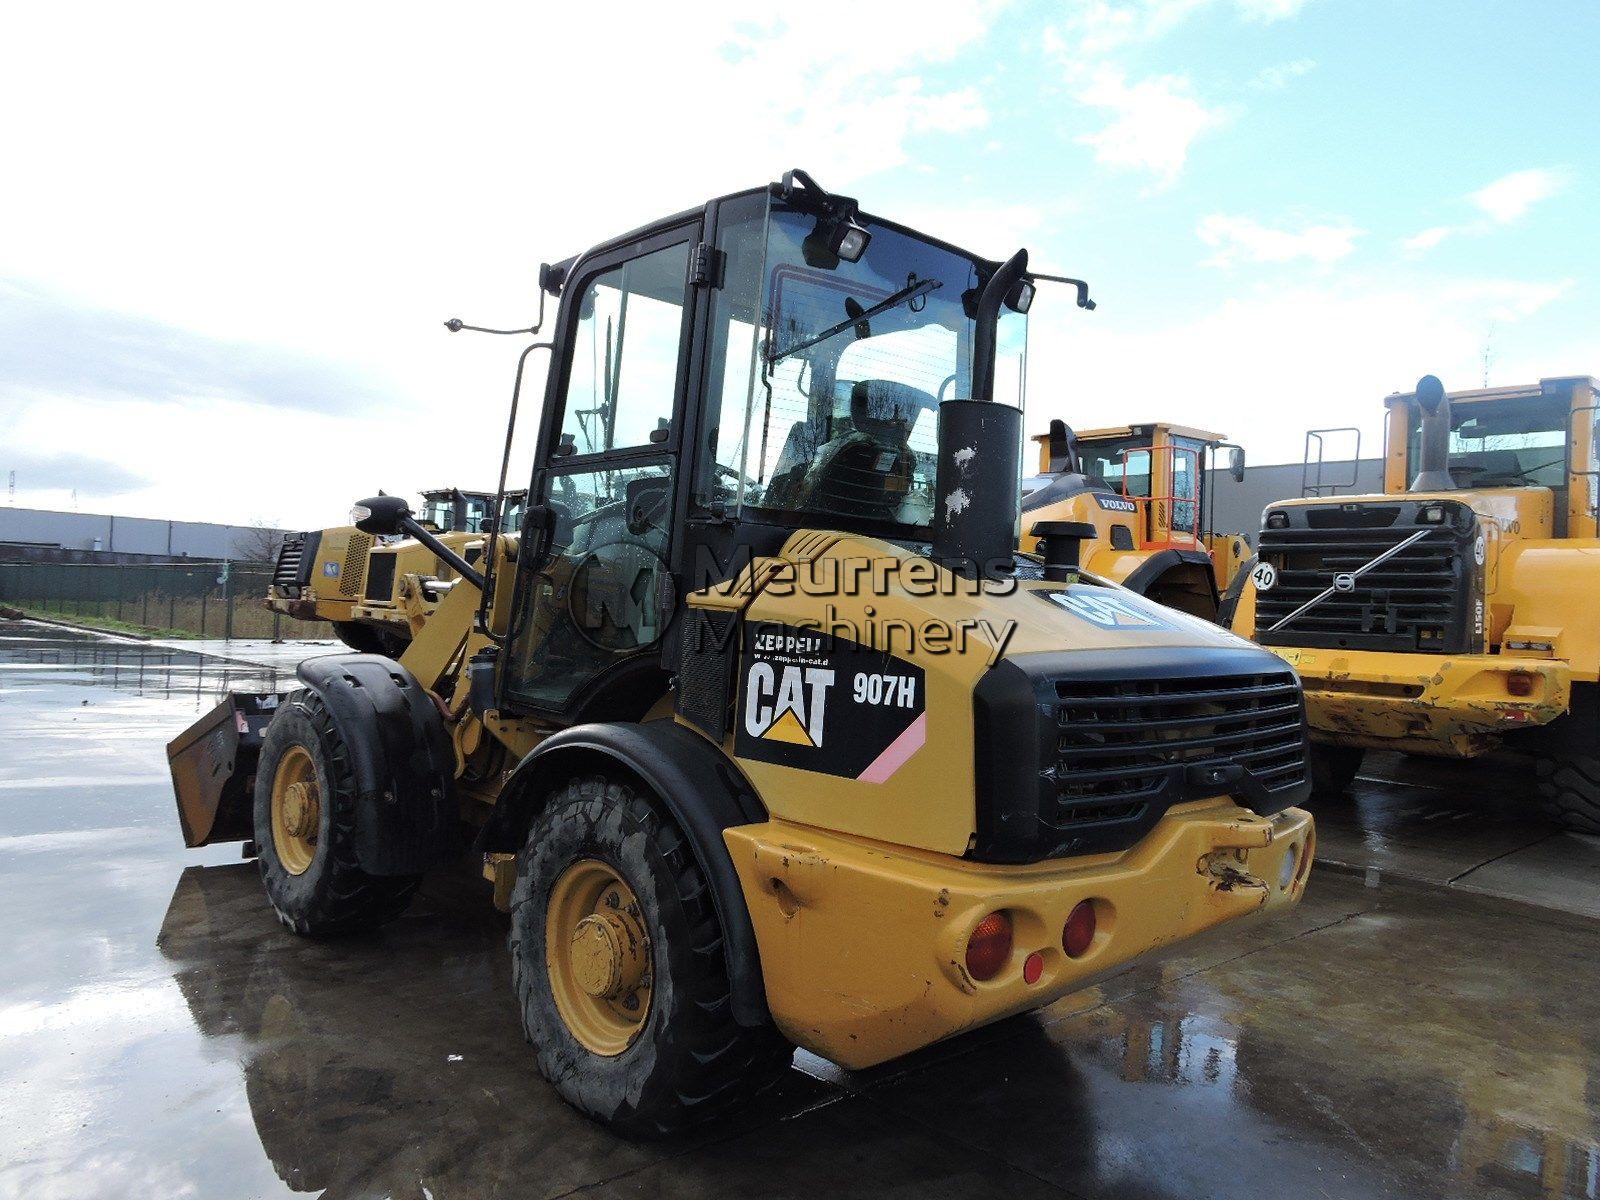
(12, 497)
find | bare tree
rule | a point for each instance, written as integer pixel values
(257, 543)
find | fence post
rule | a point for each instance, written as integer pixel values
(227, 602)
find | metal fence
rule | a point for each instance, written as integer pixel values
(205, 599)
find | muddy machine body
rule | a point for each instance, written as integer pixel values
(1449, 616)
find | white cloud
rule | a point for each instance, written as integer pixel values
(1270, 10)
(347, 177)
(1155, 122)
(1097, 28)
(1429, 238)
(1509, 198)
(1275, 78)
(1243, 239)
(1503, 202)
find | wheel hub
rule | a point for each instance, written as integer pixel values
(301, 810)
(598, 955)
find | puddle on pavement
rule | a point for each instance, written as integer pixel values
(162, 1035)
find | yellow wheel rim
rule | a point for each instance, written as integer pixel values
(598, 955)
(296, 810)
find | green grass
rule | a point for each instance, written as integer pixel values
(109, 624)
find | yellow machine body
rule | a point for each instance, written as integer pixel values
(1143, 489)
(1531, 635)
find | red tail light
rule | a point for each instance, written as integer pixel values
(1078, 932)
(989, 947)
(1520, 683)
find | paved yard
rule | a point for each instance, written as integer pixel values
(1430, 1029)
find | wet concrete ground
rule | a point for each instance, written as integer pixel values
(161, 1035)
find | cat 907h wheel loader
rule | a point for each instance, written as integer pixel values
(760, 728)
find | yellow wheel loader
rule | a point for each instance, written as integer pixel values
(762, 731)
(354, 580)
(1140, 494)
(1452, 614)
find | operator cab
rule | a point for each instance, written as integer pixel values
(1158, 467)
(451, 510)
(772, 362)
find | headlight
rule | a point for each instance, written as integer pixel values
(359, 514)
(1277, 520)
(1432, 514)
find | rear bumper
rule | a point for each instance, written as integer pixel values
(863, 945)
(1440, 704)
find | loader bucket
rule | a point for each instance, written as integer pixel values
(213, 768)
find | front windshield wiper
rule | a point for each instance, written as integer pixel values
(910, 292)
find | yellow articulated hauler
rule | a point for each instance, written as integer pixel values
(354, 580)
(1140, 493)
(761, 729)
(1454, 613)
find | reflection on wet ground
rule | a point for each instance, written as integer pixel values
(161, 1035)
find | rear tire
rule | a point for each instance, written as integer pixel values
(1569, 790)
(685, 1060)
(304, 841)
(1333, 769)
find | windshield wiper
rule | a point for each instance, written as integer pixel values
(910, 292)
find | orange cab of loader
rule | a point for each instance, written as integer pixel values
(1144, 490)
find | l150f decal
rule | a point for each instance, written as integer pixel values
(826, 704)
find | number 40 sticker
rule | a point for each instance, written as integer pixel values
(1265, 576)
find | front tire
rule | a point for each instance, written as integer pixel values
(1333, 769)
(1569, 790)
(618, 965)
(305, 807)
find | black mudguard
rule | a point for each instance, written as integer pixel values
(702, 790)
(407, 818)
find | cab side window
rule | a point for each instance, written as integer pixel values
(624, 366)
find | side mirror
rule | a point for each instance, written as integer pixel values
(1236, 464)
(537, 521)
(381, 516)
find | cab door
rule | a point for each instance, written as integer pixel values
(590, 620)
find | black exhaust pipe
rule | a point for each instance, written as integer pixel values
(979, 486)
(1433, 473)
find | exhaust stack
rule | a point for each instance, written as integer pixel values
(979, 487)
(1433, 474)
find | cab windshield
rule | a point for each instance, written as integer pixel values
(1116, 461)
(832, 372)
(1503, 443)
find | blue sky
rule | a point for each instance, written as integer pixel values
(232, 234)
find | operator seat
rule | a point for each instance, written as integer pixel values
(866, 468)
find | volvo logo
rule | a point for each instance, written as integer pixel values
(1344, 582)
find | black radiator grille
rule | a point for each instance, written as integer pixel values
(1118, 740)
(1083, 752)
(380, 577)
(293, 569)
(1420, 599)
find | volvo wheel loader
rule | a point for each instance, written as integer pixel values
(760, 728)
(1140, 493)
(1452, 614)
(353, 580)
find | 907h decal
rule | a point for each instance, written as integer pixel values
(824, 703)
